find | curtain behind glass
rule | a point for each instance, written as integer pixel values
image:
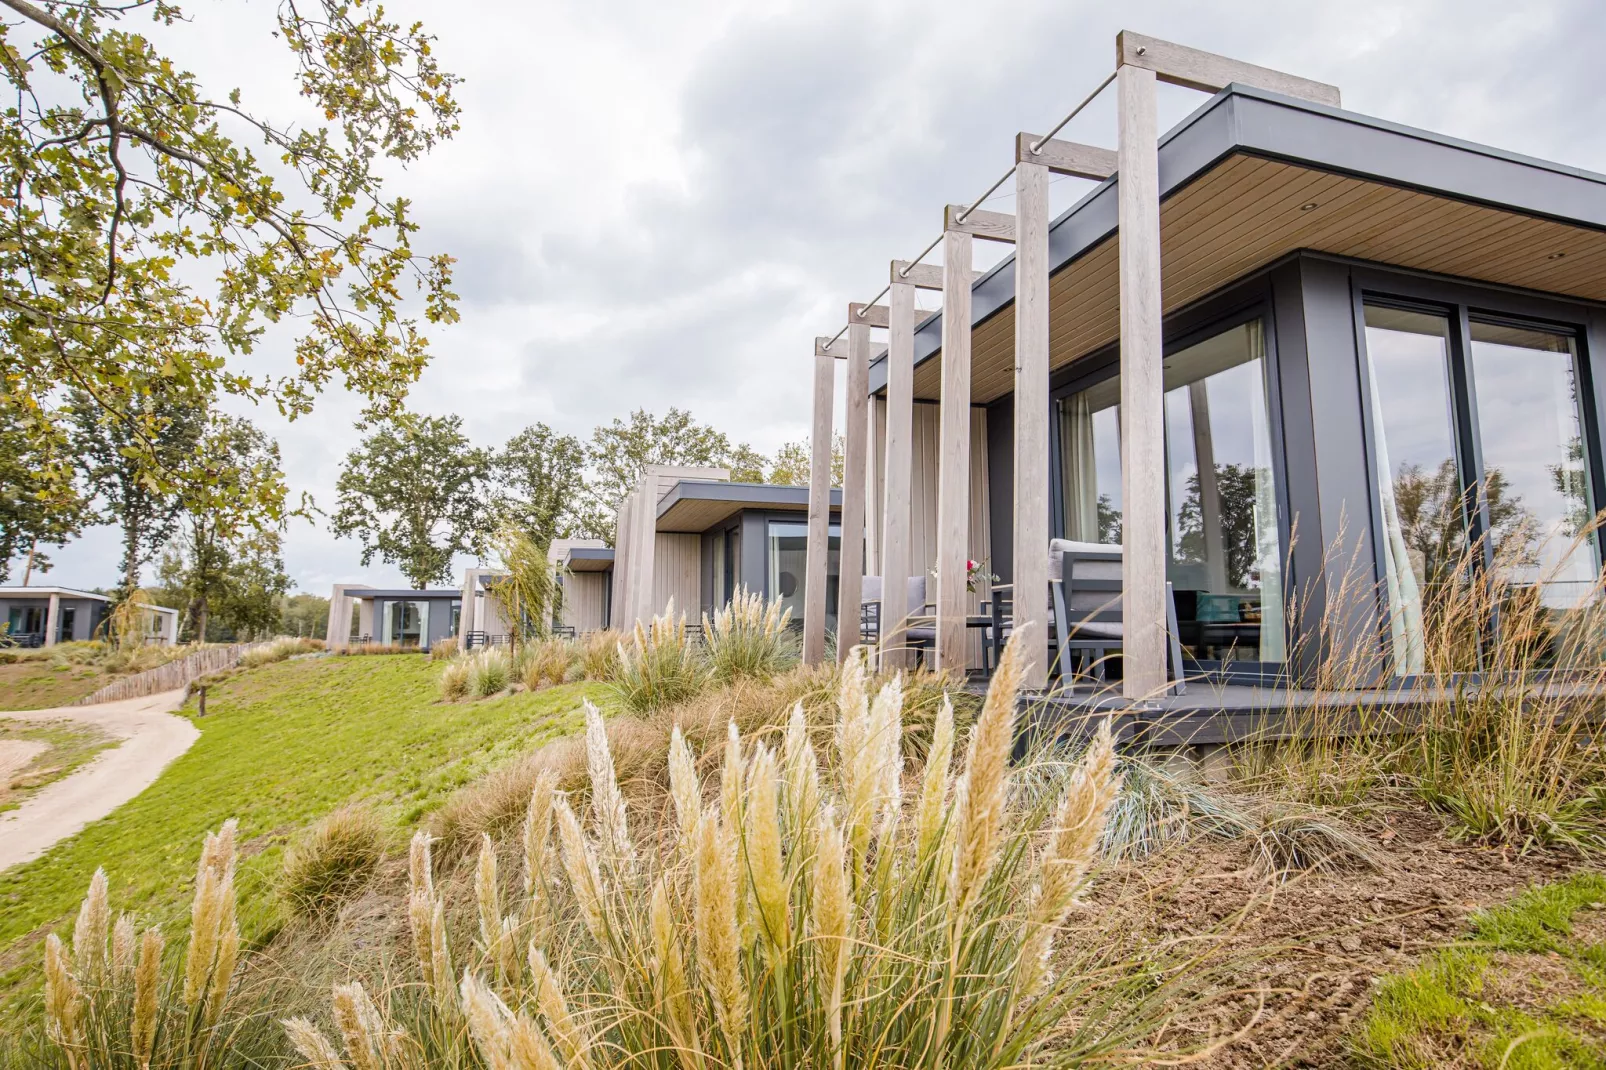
(1078, 469)
(1268, 541)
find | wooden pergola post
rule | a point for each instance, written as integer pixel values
(1031, 530)
(850, 569)
(960, 226)
(1035, 157)
(953, 470)
(817, 552)
(895, 499)
(1143, 555)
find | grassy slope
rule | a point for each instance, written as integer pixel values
(41, 684)
(280, 746)
(1451, 1006)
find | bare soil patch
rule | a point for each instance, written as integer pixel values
(1298, 960)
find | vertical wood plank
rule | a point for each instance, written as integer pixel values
(1142, 391)
(897, 500)
(953, 478)
(1031, 530)
(819, 510)
(850, 574)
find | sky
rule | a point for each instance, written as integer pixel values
(662, 204)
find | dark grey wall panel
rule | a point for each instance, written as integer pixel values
(1001, 486)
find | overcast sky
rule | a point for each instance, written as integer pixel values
(656, 204)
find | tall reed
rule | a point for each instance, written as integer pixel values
(748, 934)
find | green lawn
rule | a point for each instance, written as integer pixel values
(68, 746)
(280, 746)
(42, 683)
(1526, 991)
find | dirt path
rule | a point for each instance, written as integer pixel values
(150, 736)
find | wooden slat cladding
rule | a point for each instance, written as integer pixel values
(1247, 212)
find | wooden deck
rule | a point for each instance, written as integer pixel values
(1215, 713)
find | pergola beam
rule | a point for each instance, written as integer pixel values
(978, 223)
(1180, 65)
(922, 276)
(1065, 157)
(869, 316)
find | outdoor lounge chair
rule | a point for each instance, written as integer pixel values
(1087, 610)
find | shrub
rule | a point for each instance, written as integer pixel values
(657, 665)
(545, 662)
(599, 655)
(331, 861)
(279, 650)
(488, 672)
(748, 638)
(455, 679)
(794, 918)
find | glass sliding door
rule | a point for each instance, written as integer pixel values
(1225, 556)
(1520, 485)
(1420, 488)
(1536, 478)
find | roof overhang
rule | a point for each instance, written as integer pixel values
(692, 507)
(1252, 176)
(46, 592)
(588, 559)
(443, 592)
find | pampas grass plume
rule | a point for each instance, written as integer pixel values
(90, 930)
(566, 1031)
(313, 1046)
(147, 982)
(764, 851)
(986, 767)
(685, 790)
(123, 947)
(607, 803)
(934, 786)
(719, 940)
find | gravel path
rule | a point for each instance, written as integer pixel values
(151, 737)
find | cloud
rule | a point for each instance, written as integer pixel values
(657, 205)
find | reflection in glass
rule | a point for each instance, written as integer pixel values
(1532, 439)
(788, 568)
(406, 622)
(1414, 458)
(1226, 552)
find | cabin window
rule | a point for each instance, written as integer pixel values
(406, 623)
(1225, 553)
(1493, 476)
(788, 567)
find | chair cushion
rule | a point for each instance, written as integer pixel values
(918, 634)
(1096, 629)
(1059, 546)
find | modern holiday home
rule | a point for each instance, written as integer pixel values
(45, 616)
(1254, 390)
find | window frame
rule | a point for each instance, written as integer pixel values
(1464, 304)
(1252, 301)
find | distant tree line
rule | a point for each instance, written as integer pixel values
(417, 492)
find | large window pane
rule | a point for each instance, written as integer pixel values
(1536, 477)
(788, 568)
(1414, 462)
(1226, 555)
